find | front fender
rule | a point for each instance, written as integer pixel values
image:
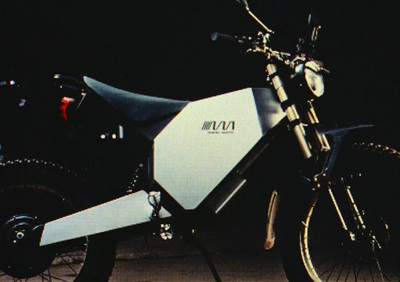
(343, 137)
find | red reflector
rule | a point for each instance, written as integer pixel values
(65, 101)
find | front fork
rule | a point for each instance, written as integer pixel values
(357, 216)
(306, 143)
(312, 143)
(339, 213)
(320, 141)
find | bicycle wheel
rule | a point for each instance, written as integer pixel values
(351, 229)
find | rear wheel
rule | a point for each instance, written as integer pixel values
(351, 230)
(32, 194)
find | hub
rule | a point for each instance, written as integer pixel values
(21, 256)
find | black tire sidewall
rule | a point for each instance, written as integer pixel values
(101, 250)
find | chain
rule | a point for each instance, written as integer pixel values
(37, 162)
(134, 180)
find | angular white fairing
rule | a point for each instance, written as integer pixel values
(196, 151)
(122, 212)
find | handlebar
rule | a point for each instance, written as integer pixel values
(255, 44)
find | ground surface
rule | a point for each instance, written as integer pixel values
(238, 256)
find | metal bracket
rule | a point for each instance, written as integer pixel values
(165, 230)
(272, 210)
(154, 199)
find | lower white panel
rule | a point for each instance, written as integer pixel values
(126, 211)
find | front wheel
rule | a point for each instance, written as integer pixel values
(31, 194)
(350, 231)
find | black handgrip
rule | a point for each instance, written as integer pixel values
(216, 36)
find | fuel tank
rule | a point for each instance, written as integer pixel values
(208, 138)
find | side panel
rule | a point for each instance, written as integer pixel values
(126, 211)
(197, 150)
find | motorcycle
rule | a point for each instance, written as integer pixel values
(178, 164)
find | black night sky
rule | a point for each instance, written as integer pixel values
(163, 47)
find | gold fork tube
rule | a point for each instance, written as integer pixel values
(291, 111)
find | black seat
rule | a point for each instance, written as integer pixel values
(137, 107)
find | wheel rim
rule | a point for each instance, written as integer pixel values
(372, 254)
(23, 213)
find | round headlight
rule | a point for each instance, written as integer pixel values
(314, 78)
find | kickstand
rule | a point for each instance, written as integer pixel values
(193, 240)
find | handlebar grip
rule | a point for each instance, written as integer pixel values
(216, 36)
(222, 37)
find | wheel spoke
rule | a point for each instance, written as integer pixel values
(68, 264)
(352, 269)
(378, 265)
(44, 278)
(50, 278)
(329, 271)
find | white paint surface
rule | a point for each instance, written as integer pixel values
(125, 211)
(190, 162)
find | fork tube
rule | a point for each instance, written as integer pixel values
(291, 111)
(321, 138)
(355, 208)
(337, 209)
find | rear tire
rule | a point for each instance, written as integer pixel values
(31, 194)
(317, 247)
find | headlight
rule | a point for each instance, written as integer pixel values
(314, 78)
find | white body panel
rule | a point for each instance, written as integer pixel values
(204, 142)
(192, 155)
(126, 211)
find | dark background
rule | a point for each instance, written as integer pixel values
(163, 47)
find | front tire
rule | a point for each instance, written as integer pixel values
(32, 193)
(350, 231)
